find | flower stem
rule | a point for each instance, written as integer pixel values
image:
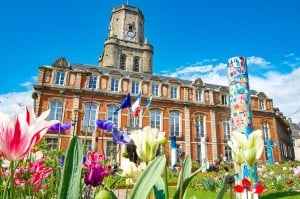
(166, 182)
(10, 182)
(251, 177)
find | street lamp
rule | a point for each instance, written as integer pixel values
(78, 114)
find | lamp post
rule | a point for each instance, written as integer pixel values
(78, 114)
(34, 96)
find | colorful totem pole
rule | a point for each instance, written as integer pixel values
(240, 103)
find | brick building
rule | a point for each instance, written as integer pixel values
(190, 110)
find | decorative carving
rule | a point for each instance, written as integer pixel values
(47, 76)
(164, 91)
(61, 63)
(72, 79)
(103, 83)
(198, 82)
(125, 85)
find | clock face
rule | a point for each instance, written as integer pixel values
(131, 34)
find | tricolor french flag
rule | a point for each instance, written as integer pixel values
(136, 105)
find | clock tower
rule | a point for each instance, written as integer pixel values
(125, 47)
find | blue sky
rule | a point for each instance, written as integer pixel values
(191, 39)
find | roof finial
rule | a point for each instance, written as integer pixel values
(127, 2)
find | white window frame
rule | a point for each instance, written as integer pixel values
(224, 99)
(174, 92)
(155, 89)
(111, 116)
(114, 85)
(56, 108)
(199, 125)
(262, 104)
(92, 82)
(135, 87)
(60, 78)
(52, 143)
(226, 129)
(174, 123)
(265, 130)
(155, 118)
(198, 95)
(228, 153)
(89, 118)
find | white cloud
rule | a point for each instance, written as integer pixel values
(257, 61)
(284, 89)
(12, 102)
(191, 69)
(289, 55)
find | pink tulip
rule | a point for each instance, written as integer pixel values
(22, 132)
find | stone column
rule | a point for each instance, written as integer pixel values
(187, 126)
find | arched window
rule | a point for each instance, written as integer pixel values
(155, 118)
(226, 129)
(89, 118)
(228, 154)
(55, 110)
(136, 64)
(199, 125)
(174, 123)
(122, 62)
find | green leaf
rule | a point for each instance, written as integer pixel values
(186, 169)
(159, 189)
(69, 187)
(149, 178)
(187, 177)
(222, 191)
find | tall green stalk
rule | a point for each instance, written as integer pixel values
(69, 187)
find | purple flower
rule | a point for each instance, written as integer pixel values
(120, 137)
(62, 161)
(95, 174)
(60, 127)
(105, 124)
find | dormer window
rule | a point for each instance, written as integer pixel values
(60, 78)
(92, 82)
(174, 94)
(224, 99)
(135, 87)
(261, 104)
(198, 95)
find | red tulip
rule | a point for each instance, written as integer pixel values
(246, 186)
(19, 134)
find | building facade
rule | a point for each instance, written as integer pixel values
(190, 110)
